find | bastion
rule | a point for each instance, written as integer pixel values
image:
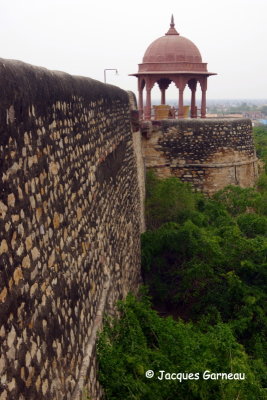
(207, 153)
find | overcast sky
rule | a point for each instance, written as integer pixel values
(83, 37)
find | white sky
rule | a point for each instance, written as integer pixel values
(83, 37)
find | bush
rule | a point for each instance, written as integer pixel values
(238, 200)
(198, 268)
(252, 224)
(141, 340)
(262, 183)
(260, 135)
(167, 254)
(167, 200)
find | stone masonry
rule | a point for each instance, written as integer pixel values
(69, 224)
(209, 153)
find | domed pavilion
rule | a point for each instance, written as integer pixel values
(172, 58)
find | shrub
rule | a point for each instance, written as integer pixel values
(252, 224)
(167, 200)
(238, 200)
(141, 340)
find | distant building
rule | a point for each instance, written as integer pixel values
(253, 114)
(233, 116)
(263, 121)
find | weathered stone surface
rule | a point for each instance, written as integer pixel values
(11, 337)
(3, 209)
(3, 247)
(11, 200)
(54, 168)
(69, 218)
(26, 263)
(28, 243)
(35, 253)
(17, 275)
(3, 294)
(209, 154)
(56, 220)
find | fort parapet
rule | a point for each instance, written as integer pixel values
(70, 226)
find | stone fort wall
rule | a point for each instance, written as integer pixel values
(69, 223)
(210, 153)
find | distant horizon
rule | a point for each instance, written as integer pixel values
(260, 100)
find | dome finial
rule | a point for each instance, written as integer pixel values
(172, 30)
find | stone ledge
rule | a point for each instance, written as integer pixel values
(218, 165)
(197, 121)
(211, 165)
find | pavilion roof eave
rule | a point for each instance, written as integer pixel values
(174, 73)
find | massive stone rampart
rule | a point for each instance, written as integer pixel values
(210, 153)
(69, 224)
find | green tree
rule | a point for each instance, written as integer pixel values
(141, 340)
(252, 224)
(238, 200)
(167, 200)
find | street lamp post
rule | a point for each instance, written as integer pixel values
(109, 69)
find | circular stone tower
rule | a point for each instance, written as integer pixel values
(208, 153)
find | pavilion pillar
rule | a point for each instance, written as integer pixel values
(193, 104)
(148, 104)
(163, 85)
(140, 102)
(203, 104)
(149, 82)
(141, 85)
(193, 86)
(203, 84)
(181, 103)
(163, 97)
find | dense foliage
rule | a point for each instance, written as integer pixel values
(204, 262)
(212, 266)
(260, 135)
(167, 200)
(141, 340)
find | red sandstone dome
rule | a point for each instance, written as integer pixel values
(172, 48)
(172, 53)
